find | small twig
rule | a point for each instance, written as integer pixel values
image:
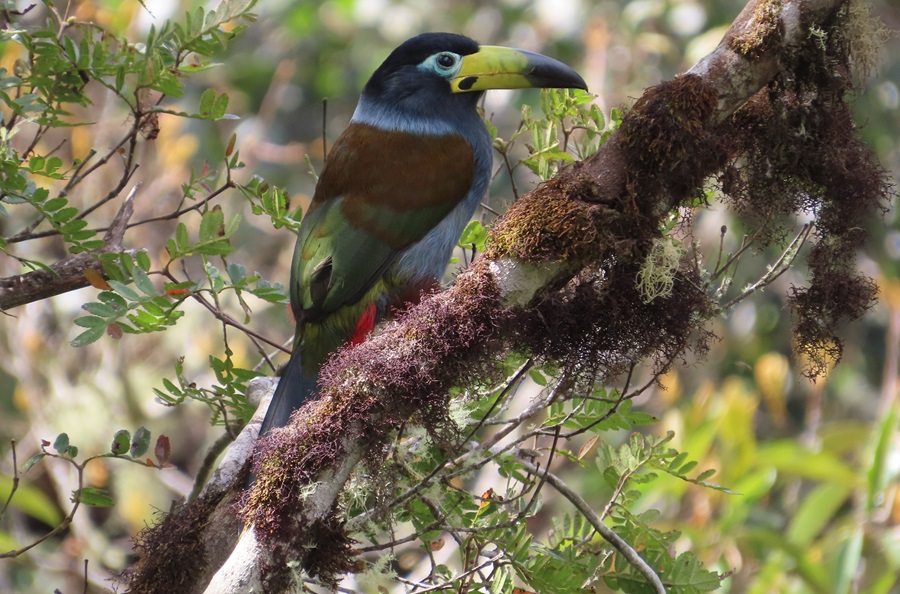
(209, 464)
(324, 127)
(412, 491)
(597, 522)
(394, 543)
(447, 585)
(26, 234)
(722, 232)
(267, 357)
(515, 378)
(180, 211)
(780, 267)
(67, 274)
(15, 484)
(745, 245)
(484, 206)
(530, 411)
(510, 169)
(224, 317)
(542, 476)
(623, 396)
(62, 526)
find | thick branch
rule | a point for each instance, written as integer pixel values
(64, 276)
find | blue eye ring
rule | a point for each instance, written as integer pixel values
(445, 64)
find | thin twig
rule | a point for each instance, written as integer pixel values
(324, 127)
(224, 317)
(59, 528)
(780, 267)
(209, 463)
(447, 585)
(745, 245)
(15, 484)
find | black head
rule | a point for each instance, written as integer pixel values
(441, 75)
(402, 74)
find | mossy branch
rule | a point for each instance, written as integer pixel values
(558, 282)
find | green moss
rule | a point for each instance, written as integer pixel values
(763, 31)
(545, 225)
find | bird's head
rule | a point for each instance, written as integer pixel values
(436, 71)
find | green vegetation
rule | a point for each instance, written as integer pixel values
(175, 158)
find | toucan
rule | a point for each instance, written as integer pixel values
(397, 188)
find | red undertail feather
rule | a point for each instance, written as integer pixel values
(364, 326)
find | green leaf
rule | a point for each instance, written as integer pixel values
(140, 443)
(61, 444)
(92, 321)
(98, 309)
(143, 282)
(114, 300)
(181, 238)
(219, 106)
(848, 563)
(121, 442)
(641, 418)
(538, 377)
(143, 260)
(64, 214)
(32, 461)
(877, 475)
(474, 234)
(212, 225)
(94, 497)
(124, 290)
(88, 336)
(53, 164)
(819, 508)
(54, 204)
(206, 102)
(791, 458)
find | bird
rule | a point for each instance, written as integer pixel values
(397, 188)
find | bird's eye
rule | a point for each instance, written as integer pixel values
(444, 64)
(446, 60)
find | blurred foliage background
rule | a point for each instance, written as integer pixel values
(816, 464)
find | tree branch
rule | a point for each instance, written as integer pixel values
(67, 274)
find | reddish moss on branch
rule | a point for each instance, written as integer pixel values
(368, 391)
(599, 323)
(667, 150)
(172, 551)
(599, 326)
(797, 151)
